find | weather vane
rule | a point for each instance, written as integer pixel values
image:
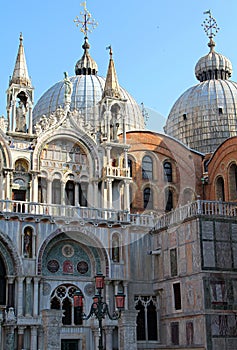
(86, 22)
(210, 25)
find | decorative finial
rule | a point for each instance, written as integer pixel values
(210, 25)
(144, 113)
(86, 21)
(110, 51)
(21, 37)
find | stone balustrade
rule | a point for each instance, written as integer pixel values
(197, 208)
(85, 214)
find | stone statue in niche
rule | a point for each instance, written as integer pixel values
(27, 249)
(21, 117)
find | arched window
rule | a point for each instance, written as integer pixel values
(147, 198)
(147, 322)
(70, 193)
(147, 168)
(28, 241)
(220, 189)
(169, 205)
(2, 282)
(42, 190)
(62, 299)
(233, 182)
(115, 248)
(56, 191)
(168, 176)
(130, 166)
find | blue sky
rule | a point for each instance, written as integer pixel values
(156, 44)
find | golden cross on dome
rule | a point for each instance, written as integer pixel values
(210, 25)
(86, 22)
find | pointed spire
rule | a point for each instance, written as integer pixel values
(20, 75)
(111, 88)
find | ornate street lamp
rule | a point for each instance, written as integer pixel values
(99, 308)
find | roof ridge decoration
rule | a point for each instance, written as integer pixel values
(86, 65)
(20, 74)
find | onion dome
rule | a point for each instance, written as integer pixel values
(213, 65)
(86, 65)
(204, 116)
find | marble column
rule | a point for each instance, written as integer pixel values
(36, 296)
(9, 338)
(127, 330)
(110, 193)
(63, 193)
(52, 323)
(34, 188)
(20, 338)
(76, 194)
(1, 321)
(28, 297)
(20, 296)
(33, 338)
(109, 337)
(49, 191)
(8, 185)
(125, 290)
(10, 296)
(126, 195)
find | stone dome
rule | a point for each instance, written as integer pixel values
(87, 92)
(205, 115)
(213, 65)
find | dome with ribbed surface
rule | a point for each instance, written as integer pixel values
(87, 92)
(205, 115)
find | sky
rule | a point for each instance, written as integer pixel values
(156, 44)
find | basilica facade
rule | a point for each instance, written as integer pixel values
(86, 190)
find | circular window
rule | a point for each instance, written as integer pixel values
(82, 267)
(53, 266)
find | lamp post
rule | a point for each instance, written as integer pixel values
(99, 308)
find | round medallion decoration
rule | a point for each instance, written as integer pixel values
(53, 266)
(68, 250)
(82, 267)
(89, 289)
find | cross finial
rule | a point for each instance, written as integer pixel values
(86, 22)
(110, 50)
(210, 25)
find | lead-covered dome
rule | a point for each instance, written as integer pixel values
(205, 115)
(87, 92)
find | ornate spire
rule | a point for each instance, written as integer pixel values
(86, 65)
(210, 28)
(111, 88)
(20, 74)
(213, 65)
